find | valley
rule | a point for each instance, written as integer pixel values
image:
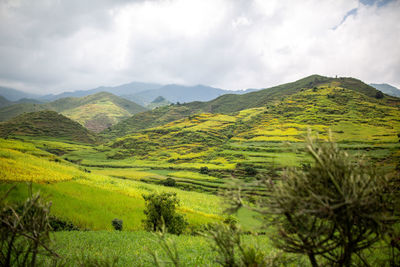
(196, 150)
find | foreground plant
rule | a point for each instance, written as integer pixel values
(334, 209)
(24, 232)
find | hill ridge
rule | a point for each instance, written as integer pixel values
(46, 123)
(96, 112)
(230, 103)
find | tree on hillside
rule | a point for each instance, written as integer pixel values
(160, 212)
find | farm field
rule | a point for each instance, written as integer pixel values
(198, 157)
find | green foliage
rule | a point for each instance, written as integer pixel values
(232, 251)
(204, 170)
(379, 95)
(169, 182)
(337, 208)
(24, 232)
(160, 211)
(250, 171)
(117, 224)
(58, 224)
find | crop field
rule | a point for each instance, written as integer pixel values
(196, 157)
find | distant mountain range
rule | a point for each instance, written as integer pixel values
(140, 93)
(14, 95)
(387, 89)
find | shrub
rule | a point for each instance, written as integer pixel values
(24, 232)
(335, 208)
(204, 170)
(332, 210)
(160, 210)
(58, 224)
(169, 182)
(379, 95)
(117, 224)
(250, 171)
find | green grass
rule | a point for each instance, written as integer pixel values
(94, 207)
(131, 248)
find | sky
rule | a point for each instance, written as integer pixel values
(51, 46)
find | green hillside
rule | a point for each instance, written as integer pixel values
(96, 112)
(257, 137)
(193, 155)
(46, 124)
(230, 103)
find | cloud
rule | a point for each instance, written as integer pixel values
(52, 46)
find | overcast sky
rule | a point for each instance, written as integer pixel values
(50, 46)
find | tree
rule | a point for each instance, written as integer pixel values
(204, 170)
(335, 209)
(117, 224)
(379, 95)
(330, 211)
(24, 231)
(160, 211)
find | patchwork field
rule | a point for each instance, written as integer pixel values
(196, 157)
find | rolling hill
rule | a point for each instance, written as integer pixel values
(158, 102)
(46, 124)
(230, 103)
(96, 112)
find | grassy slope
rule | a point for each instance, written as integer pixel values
(232, 103)
(73, 190)
(254, 137)
(96, 112)
(46, 124)
(350, 115)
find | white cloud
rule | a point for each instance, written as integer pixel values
(70, 45)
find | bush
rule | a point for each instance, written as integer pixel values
(117, 224)
(379, 95)
(333, 210)
(169, 182)
(160, 212)
(336, 208)
(250, 171)
(204, 170)
(24, 232)
(58, 224)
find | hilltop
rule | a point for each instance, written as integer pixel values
(253, 136)
(227, 104)
(158, 102)
(96, 112)
(46, 124)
